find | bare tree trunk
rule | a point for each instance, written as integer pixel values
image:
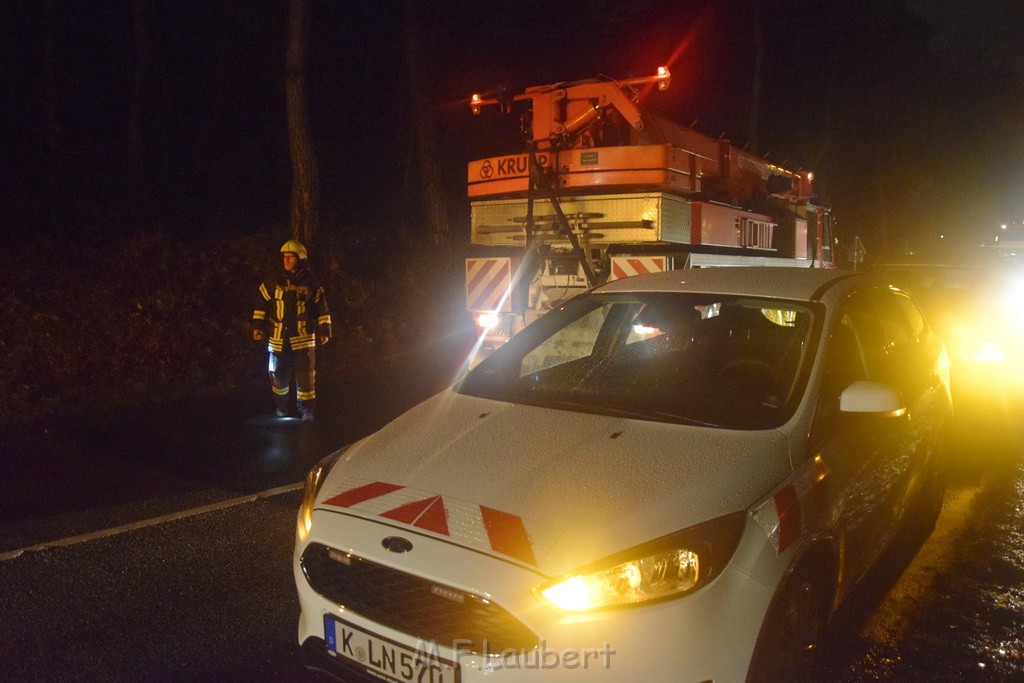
(754, 133)
(426, 136)
(141, 22)
(140, 35)
(53, 130)
(305, 182)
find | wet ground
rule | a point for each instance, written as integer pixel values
(950, 607)
(92, 472)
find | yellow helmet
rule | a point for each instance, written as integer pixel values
(295, 247)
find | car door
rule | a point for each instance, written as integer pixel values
(864, 452)
(914, 363)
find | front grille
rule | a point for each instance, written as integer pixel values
(410, 604)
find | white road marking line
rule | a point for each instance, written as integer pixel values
(152, 521)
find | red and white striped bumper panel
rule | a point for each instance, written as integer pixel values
(469, 524)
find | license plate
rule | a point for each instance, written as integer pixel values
(386, 659)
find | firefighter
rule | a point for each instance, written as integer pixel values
(292, 315)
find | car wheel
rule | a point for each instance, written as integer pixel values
(788, 644)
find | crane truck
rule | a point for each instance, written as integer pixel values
(604, 190)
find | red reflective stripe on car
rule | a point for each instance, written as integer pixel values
(787, 507)
(428, 514)
(507, 534)
(360, 494)
(471, 524)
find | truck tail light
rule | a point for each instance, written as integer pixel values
(487, 320)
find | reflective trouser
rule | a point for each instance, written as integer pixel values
(299, 365)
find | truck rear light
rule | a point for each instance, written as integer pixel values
(663, 77)
(487, 320)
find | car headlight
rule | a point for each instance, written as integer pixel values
(977, 345)
(667, 567)
(314, 481)
(989, 352)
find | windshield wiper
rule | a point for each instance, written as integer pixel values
(628, 413)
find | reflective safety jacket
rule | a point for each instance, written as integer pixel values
(292, 306)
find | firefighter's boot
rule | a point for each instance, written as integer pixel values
(284, 402)
(281, 406)
(306, 409)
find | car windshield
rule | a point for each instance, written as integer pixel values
(730, 362)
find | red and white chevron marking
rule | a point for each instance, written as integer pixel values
(472, 525)
(489, 284)
(628, 266)
(791, 512)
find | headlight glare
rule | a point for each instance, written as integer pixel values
(650, 578)
(665, 568)
(989, 352)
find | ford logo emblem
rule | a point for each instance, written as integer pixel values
(397, 544)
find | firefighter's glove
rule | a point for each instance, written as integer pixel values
(257, 335)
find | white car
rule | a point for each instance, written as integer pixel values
(672, 477)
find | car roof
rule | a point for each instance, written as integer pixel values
(800, 284)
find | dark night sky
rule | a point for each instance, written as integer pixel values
(908, 111)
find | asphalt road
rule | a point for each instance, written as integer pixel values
(207, 597)
(210, 595)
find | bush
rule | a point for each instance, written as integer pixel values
(151, 319)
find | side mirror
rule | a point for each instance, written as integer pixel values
(864, 396)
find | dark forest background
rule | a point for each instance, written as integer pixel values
(147, 179)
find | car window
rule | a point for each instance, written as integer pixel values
(900, 317)
(721, 361)
(913, 316)
(873, 343)
(854, 351)
(845, 360)
(575, 341)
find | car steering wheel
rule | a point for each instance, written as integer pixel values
(757, 373)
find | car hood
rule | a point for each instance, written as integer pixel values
(551, 489)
